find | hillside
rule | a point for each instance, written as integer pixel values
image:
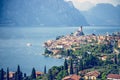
(39, 13)
(103, 14)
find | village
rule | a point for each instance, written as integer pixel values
(75, 40)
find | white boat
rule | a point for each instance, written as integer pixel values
(29, 44)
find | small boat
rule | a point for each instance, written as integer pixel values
(29, 44)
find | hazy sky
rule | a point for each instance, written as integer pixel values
(87, 4)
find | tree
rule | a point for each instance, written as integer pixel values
(33, 74)
(61, 74)
(71, 67)
(65, 65)
(7, 73)
(115, 59)
(2, 74)
(55, 70)
(119, 59)
(104, 76)
(69, 52)
(77, 70)
(61, 67)
(50, 77)
(81, 67)
(114, 69)
(45, 69)
(47, 51)
(25, 75)
(18, 74)
(84, 55)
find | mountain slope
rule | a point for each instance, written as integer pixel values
(40, 12)
(103, 14)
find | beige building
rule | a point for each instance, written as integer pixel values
(91, 75)
(103, 57)
(119, 43)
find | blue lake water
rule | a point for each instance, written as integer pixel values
(13, 49)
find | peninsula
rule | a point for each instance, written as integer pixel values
(76, 41)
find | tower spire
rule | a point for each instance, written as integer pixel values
(80, 29)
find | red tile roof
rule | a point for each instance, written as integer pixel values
(93, 73)
(72, 77)
(113, 76)
(39, 73)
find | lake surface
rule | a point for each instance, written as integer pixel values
(14, 51)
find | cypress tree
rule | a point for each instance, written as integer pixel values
(115, 59)
(45, 69)
(65, 65)
(50, 77)
(76, 71)
(18, 74)
(62, 67)
(119, 59)
(33, 74)
(7, 73)
(81, 65)
(71, 67)
(25, 75)
(2, 74)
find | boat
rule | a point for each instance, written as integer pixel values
(29, 44)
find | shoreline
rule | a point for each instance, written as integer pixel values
(75, 40)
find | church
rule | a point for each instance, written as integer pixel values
(79, 32)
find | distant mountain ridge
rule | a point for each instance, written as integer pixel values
(103, 14)
(40, 12)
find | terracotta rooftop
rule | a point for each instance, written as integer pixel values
(72, 77)
(114, 76)
(93, 73)
(37, 72)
